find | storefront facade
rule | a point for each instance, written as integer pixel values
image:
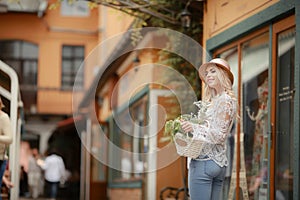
(261, 45)
(128, 158)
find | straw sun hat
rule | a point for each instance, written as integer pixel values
(219, 62)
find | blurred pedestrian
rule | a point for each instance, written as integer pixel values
(34, 175)
(24, 192)
(6, 138)
(54, 172)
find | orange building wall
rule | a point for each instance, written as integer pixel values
(117, 22)
(50, 33)
(220, 15)
(112, 25)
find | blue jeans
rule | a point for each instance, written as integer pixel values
(51, 188)
(205, 180)
(2, 170)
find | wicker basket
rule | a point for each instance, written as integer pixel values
(187, 146)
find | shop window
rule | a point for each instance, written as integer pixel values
(129, 138)
(264, 68)
(72, 74)
(22, 56)
(253, 55)
(285, 106)
(255, 92)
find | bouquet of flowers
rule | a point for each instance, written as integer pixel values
(184, 142)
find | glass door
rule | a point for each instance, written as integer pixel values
(282, 121)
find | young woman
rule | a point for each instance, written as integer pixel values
(207, 172)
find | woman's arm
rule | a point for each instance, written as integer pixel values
(217, 127)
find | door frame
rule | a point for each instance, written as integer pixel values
(277, 28)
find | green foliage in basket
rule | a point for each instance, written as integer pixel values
(174, 126)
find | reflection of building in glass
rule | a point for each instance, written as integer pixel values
(257, 172)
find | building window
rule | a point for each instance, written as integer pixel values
(76, 9)
(23, 58)
(72, 74)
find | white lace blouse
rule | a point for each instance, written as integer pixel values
(220, 116)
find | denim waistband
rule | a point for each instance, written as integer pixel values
(202, 157)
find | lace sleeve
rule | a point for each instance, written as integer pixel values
(218, 125)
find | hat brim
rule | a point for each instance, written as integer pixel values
(203, 67)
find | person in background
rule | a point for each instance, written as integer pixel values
(24, 192)
(54, 172)
(6, 138)
(34, 174)
(207, 172)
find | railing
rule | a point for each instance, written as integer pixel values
(14, 149)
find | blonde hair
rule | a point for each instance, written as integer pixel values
(225, 82)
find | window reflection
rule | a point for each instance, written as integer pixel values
(254, 57)
(253, 153)
(285, 115)
(255, 63)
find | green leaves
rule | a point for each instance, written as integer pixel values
(174, 126)
(171, 128)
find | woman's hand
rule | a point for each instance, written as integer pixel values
(186, 126)
(7, 182)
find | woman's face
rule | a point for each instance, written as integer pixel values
(211, 77)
